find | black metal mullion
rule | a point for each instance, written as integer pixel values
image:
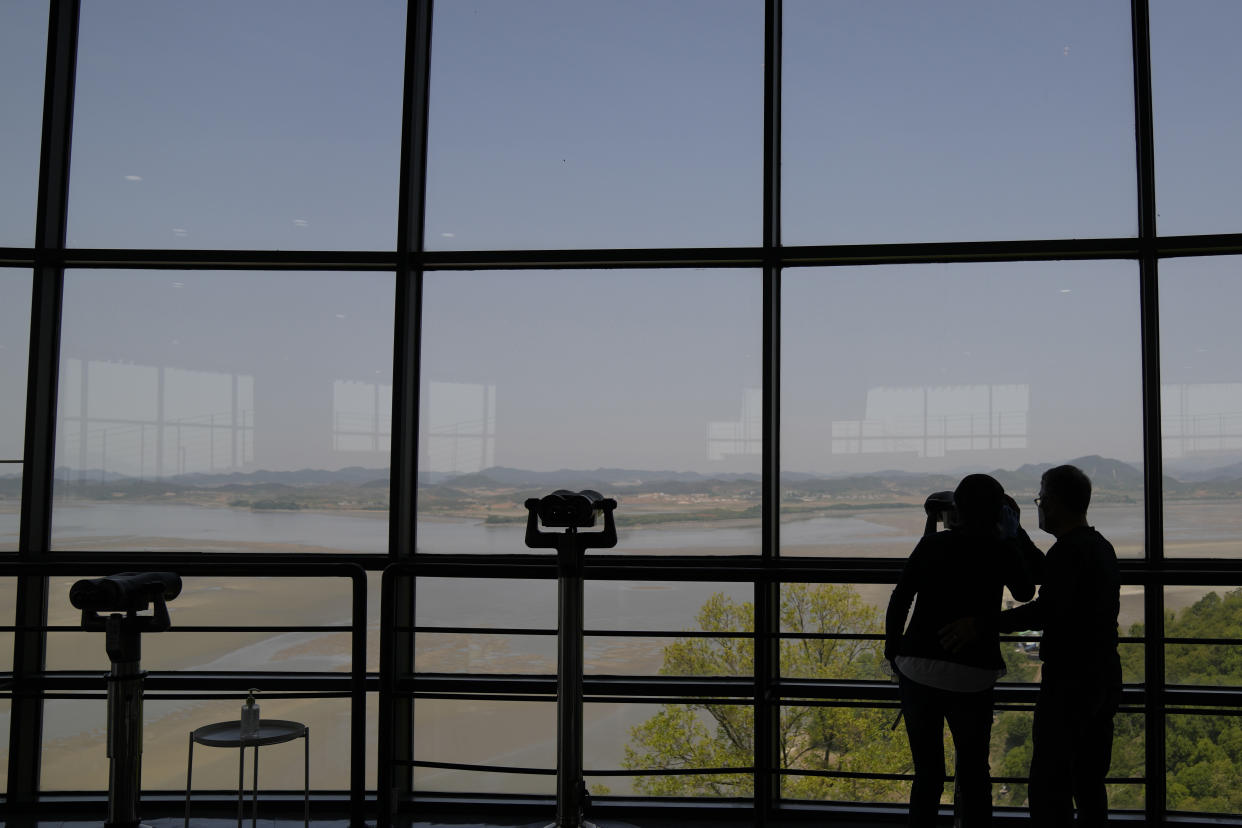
(767, 587)
(30, 647)
(1153, 594)
(397, 716)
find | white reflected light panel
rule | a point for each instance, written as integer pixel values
(617, 380)
(898, 380)
(259, 395)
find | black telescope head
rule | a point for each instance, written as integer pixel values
(564, 508)
(125, 591)
(938, 503)
(940, 508)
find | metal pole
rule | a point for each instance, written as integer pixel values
(569, 782)
(124, 724)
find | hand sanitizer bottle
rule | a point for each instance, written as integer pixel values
(250, 716)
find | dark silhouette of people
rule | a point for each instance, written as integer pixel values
(1080, 682)
(949, 573)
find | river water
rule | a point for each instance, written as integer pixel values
(512, 604)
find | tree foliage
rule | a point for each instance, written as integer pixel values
(684, 736)
(1204, 753)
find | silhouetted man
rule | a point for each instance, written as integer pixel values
(1080, 685)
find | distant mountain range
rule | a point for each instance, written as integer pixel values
(1108, 475)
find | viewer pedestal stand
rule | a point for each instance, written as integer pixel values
(570, 546)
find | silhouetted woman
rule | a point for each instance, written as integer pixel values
(954, 573)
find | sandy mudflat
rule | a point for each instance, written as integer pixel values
(513, 733)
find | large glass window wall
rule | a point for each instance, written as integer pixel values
(329, 290)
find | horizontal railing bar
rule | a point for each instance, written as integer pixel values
(194, 629)
(741, 256)
(420, 763)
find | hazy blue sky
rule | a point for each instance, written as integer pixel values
(563, 123)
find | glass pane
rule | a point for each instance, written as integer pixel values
(75, 744)
(8, 615)
(1011, 757)
(75, 734)
(851, 739)
(559, 124)
(10, 506)
(694, 735)
(224, 412)
(1201, 406)
(518, 603)
(470, 731)
(484, 653)
(1203, 612)
(1203, 755)
(223, 601)
(830, 610)
(669, 606)
(907, 122)
(897, 380)
(6, 715)
(14, 363)
(643, 385)
(1197, 118)
(614, 655)
(192, 131)
(23, 61)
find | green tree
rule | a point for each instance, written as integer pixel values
(683, 736)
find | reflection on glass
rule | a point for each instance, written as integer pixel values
(1203, 755)
(472, 731)
(204, 411)
(1201, 407)
(850, 739)
(627, 382)
(898, 379)
(191, 131)
(1197, 118)
(23, 47)
(918, 122)
(633, 124)
(692, 735)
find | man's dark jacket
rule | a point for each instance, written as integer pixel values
(1076, 609)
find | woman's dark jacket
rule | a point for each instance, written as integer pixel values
(955, 575)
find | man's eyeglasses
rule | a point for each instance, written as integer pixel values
(1038, 500)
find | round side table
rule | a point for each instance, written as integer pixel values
(228, 735)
